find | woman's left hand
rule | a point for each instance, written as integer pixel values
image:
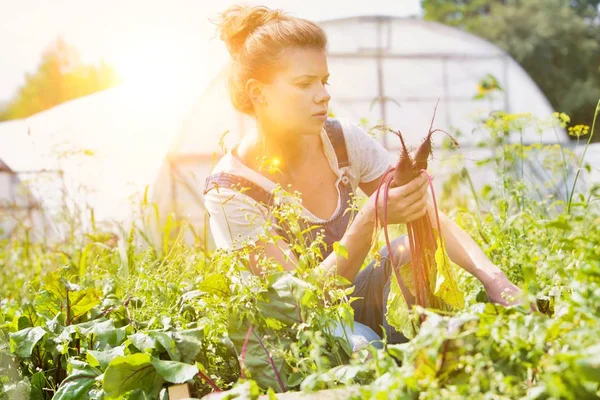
(502, 291)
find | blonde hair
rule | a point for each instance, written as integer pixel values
(257, 38)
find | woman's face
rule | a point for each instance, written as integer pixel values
(296, 100)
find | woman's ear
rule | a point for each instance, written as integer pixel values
(255, 91)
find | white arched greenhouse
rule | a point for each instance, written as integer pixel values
(87, 161)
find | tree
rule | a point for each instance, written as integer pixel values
(556, 41)
(586, 8)
(60, 76)
(458, 13)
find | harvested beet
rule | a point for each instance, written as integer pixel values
(422, 239)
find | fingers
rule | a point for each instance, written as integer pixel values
(415, 216)
(407, 203)
(419, 183)
(406, 215)
(415, 196)
(416, 210)
(408, 196)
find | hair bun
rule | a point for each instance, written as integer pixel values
(238, 22)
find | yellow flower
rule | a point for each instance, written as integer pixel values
(562, 118)
(579, 130)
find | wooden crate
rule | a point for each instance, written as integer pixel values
(179, 392)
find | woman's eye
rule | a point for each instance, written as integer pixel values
(306, 85)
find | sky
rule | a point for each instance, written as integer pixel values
(144, 37)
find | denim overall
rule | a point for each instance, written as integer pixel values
(372, 285)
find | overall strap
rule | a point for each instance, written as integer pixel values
(260, 195)
(243, 185)
(336, 136)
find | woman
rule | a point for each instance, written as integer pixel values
(279, 76)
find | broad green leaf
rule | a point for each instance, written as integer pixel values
(281, 309)
(398, 314)
(131, 372)
(262, 362)
(284, 298)
(56, 324)
(215, 284)
(15, 324)
(174, 371)
(166, 341)
(22, 322)
(38, 382)
(79, 382)
(138, 394)
(446, 286)
(295, 379)
(18, 391)
(54, 284)
(59, 295)
(111, 337)
(23, 341)
(103, 358)
(143, 342)
(189, 343)
(105, 335)
(31, 317)
(83, 301)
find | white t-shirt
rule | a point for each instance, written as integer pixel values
(236, 218)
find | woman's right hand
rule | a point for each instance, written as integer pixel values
(405, 203)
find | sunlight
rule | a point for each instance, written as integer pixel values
(154, 66)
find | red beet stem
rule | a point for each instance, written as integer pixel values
(381, 184)
(272, 362)
(244, 348)
(415, 263)
(209, 381)
(403, 288)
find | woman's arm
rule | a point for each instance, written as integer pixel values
(405, 203)
(467, 254)
(356, 240)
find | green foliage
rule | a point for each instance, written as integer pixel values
(60, 76)
(131, 372)
(86, 319)
(82, 378)
(556, 41)
(110, 322)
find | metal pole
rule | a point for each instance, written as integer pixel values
(380, 92)
(173, 188)
(506, 85)
(446, 92)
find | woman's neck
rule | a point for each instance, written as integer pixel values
(278, 152)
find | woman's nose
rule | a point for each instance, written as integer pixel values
(322, 95)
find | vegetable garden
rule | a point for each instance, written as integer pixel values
(91, 317)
